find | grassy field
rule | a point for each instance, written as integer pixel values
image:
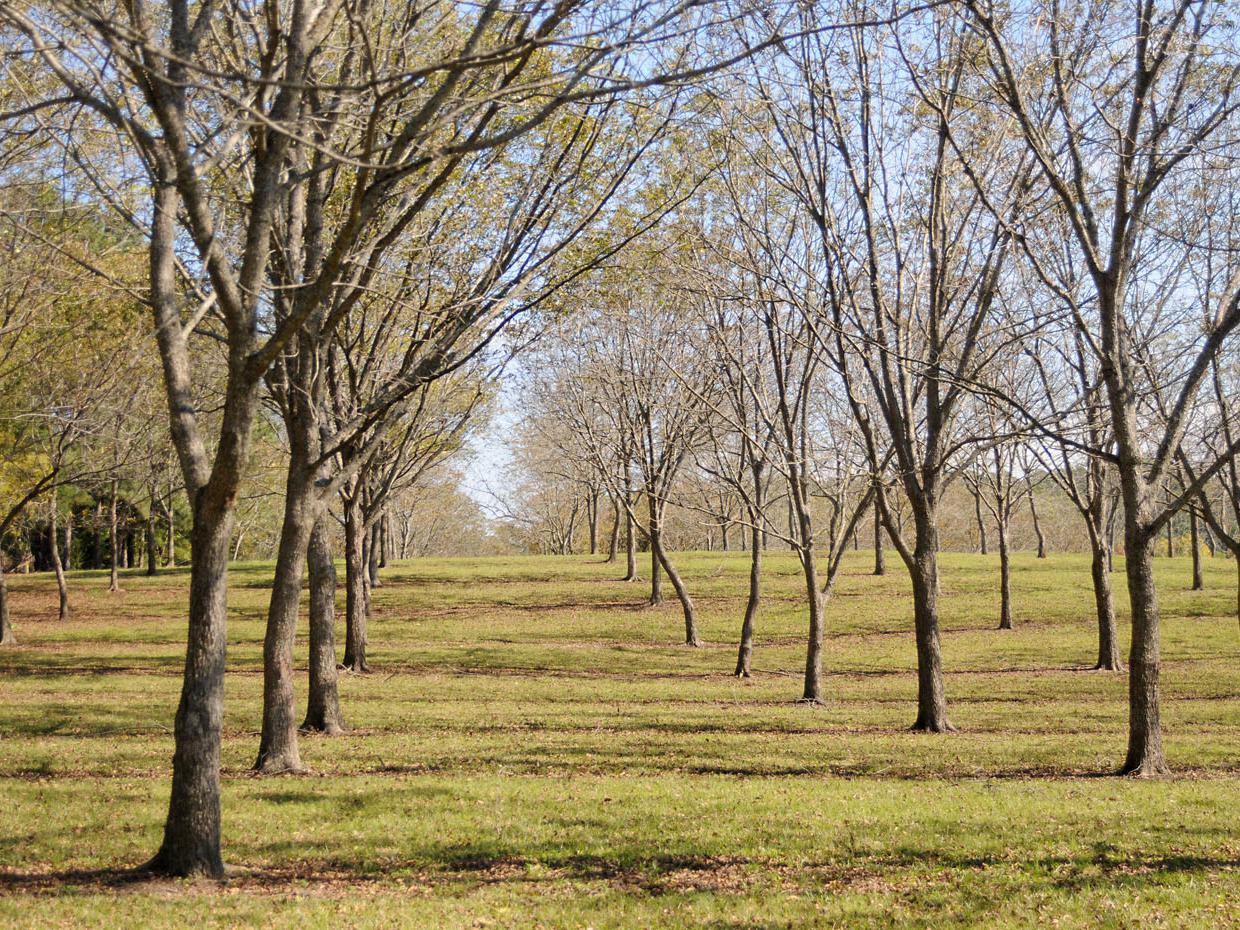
(534, 749)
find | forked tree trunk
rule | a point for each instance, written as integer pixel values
(354, 591)
(1195, 542)
(191, 844)
(1145, 750)
(277, 748)
(323, 703)
(1108, 639)
(62, 587)
(1005, 579)
(114, 583)
(686, 603)
(924, 572)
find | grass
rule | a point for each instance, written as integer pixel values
(535, 749)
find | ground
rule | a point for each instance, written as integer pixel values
(535, 749)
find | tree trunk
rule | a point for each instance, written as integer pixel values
(191, 844)
(592, 507)
(355, 595)
(96, 553)
(1145, 751)
(1108, 639)
(373, 556)
(1005, 579)
(744, 656)
(1037, 525)
(630, 548)
(812, 693)
(613, 540)
(171, 560)
(62, 587)
(277, 748)
(880, 558)
(653, 532)
(67, 552)
(1170, 541)
(1195, 542)
(931, 695)
(152, 544)
(114, 583)
(686, 603)
(323, 704)
(982, 546)
(6, 627)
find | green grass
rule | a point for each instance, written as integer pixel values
(535, 749)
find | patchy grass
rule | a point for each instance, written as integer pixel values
(535, 749)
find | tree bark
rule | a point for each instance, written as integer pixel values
(171, 560)
(1108, 639)
(62, 587)
(686, 603)
(931, 694)
(355, 595)
(1195, 542)
(1037, 525)
(114, 583)
(613, 540)
(374, 556)
(152, 544)
(6, 627)
(592, 507)
(880, 558)
(191, 844)
(323, 704)
(812, 693)
(744, 656)
(277, 748)
(1145, 750)
(1005, 579)
(982, 546)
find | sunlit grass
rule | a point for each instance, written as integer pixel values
(535, 748)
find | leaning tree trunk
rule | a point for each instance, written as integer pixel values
(354, 593)
(191, 844)
(277, 748)
(1037, 525)
(931, 694)
(6, 627)
(62, 587)
(1195, 542)
(745, 654)
(1005, 578)
(114, 583)
(686, 603)
(1145, 751)
(1108, 639)
(653, 532)
(323, 703)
